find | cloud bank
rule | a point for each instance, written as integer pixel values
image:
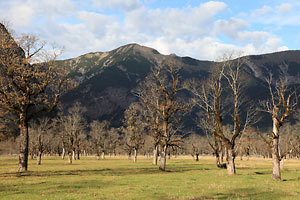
(204, 31)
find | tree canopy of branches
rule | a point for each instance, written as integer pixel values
(164, 109)
(29, 82)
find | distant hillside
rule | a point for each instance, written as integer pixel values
(106, 79)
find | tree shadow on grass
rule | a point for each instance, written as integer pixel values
(109, 171)
(263, 173)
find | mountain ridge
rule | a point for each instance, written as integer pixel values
(106, 79)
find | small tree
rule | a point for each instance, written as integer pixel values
(196, 145)
(133, 129)
(214, 142)
(30, 82)
(72, 129)
(41, 137)
(100, 137)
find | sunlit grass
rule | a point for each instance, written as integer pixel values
(120, 178)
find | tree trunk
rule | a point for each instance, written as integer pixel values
(218, 163)
(163, 153)
(275, 148)
(134, 155)
(197, 157)
(24, 139)
(73, 155)
(70, 157)
(281, 164)
(163, 158)
(155, 154)
(276, 161)
(222, 156)
(78, 155)
(63, 153)
(230, 160)
(39, 158)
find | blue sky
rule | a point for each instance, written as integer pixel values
(196, 28)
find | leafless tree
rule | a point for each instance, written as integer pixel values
(100, 137)
(159, 94)
(113, 140)
(282, 103)
(41, 137)
(134, 129)
(196, 145)
(30, 82)
(72, 131)
(150, 99)
(224, 85)
(214, 142)
(246, 143)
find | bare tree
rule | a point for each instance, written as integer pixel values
(134, 129)
(246, 143)
(113, 140)
(72, 130)
(210, 97)
(41, 137)
(159, 94)
(214, 142)
(282, 103)
(100, 137)
(150, 99)
(196, 145)
(30, 82)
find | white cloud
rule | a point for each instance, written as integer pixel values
(284, 8)
(22, 14)
(262, 11)
(277, 16)
(175, 22)
(126, 5)
(18, 13)
(230, 27)
(189, 31)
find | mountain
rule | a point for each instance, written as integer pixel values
(106, 79)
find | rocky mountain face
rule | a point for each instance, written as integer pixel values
(106, 79)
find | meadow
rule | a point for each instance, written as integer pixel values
(120, 178)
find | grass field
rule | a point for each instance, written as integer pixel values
(119, 178)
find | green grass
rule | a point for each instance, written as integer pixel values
(119, 178)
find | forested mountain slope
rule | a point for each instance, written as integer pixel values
(106, 79)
